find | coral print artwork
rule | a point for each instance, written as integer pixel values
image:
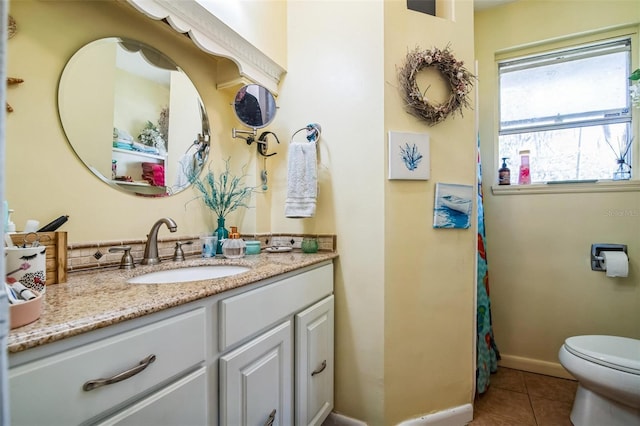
(409, 156)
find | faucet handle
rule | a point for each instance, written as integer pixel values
(178, 255)
(127, 260)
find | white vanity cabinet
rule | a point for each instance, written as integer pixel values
(72, 387)
(256, 381)
(282, 372)
(314, 363)
(258, 354)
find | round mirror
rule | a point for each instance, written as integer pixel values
(133, 117)
(255, 106)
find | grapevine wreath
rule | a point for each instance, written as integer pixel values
(460, 83)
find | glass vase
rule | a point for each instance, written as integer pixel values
(222, 233)
(623, 172)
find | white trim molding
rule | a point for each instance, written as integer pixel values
(455, 416)
(335, 419)
(568, 188)
(215, 37)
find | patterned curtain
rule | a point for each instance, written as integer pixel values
(487, 350)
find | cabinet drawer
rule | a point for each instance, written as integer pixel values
(181, 403)
(246, 314)
(59, 379)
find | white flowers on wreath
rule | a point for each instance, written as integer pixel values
(459, 79)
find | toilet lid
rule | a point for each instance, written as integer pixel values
(620, 353)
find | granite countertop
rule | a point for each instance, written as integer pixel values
(96, 299)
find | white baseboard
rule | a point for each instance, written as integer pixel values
(456, 416)
(534, 366)
(335, 419)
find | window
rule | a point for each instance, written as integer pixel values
(570, 109)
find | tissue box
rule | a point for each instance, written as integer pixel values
(56, 243)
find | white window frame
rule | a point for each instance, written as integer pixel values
(567, 43)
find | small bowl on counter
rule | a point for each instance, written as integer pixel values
(26, 312)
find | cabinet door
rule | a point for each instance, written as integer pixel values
(314, 363)
(181, 403)
(256, 381)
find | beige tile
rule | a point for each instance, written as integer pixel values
(510, 405)
(547, 387)
(551, 413)
(509, 379)
(486, 419)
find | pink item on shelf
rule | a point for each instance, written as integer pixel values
(153, 173)
(524, 177)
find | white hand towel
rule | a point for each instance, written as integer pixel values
(302, 180)
(186, 171)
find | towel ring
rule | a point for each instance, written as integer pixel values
(313, 132)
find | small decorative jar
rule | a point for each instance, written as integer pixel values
(309, 245)
(253, 247)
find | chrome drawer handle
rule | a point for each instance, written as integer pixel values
(271, 419)
(319, 369)
(93, 384)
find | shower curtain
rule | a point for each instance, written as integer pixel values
(486, 348)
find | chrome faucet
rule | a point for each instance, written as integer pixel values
(151, 248)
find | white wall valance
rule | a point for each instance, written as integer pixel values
(215, 37)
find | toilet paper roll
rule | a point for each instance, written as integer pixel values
(616, 263)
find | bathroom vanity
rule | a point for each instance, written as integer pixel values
(254, 348)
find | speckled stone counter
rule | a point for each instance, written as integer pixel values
(92, 300)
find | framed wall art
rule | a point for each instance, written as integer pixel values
(453, 206)
(409, 156)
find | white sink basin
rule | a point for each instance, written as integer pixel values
(193, 273)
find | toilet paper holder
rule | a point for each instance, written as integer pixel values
(596, 258)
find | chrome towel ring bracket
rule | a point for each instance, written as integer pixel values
(313, 131)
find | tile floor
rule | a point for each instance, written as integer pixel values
(519, 398)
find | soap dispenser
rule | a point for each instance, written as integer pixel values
(234, 247)
(504, 174)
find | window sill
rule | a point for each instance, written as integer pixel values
(568, 188)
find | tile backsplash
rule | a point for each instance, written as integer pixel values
(94, 255)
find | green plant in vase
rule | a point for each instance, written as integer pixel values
(634, 88)
(222, 195)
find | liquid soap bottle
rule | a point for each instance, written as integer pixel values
(504, 174)
(524, 177)
(234, 247)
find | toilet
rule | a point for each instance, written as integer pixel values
(608, 372)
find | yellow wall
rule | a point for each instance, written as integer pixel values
(429, 273)
(335, 77)
(542, 287)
